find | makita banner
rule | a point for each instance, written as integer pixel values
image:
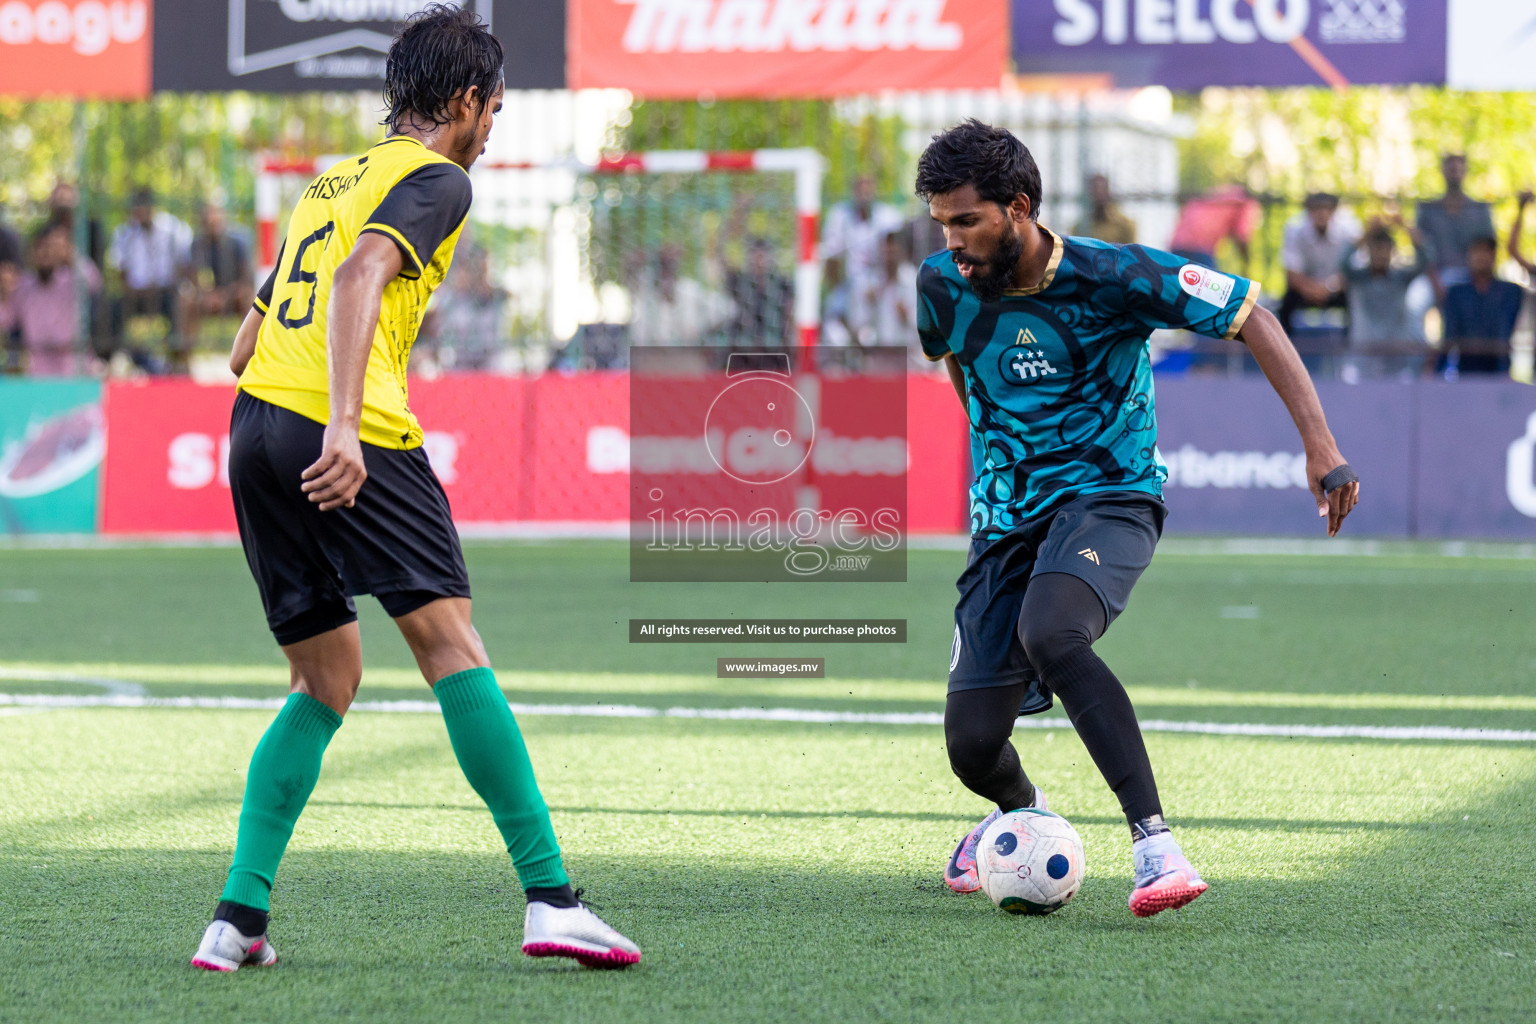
(683, 49)
(1190, 44)
(296, 45)
(80, 48)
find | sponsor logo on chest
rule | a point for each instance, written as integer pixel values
(1025, 361)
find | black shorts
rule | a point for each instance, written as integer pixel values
(397, 542)
(1106, 540)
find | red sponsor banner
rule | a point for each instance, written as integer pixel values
(84, 48)
(577, 455)
(167, 464)
(681, 49)
(939, 442)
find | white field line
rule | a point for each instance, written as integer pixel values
(803, 715)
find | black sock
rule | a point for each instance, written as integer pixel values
(1101, 713)
(250, 921)
(555, 895)
(977, 724)
(1006, 784)
(1146, 828)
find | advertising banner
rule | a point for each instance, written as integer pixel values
(1476, 464)
(52, 436)
(88, 49)
(683, 49)
(758, 467)
(1491, 45)
(167, 468)
(1190, 44)
(1235, 463)
(298, 45)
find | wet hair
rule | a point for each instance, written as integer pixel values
(438, 54)
(991, 159)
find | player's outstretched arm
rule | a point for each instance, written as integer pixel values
(357, 292)
(1277, 357)
(245, 341)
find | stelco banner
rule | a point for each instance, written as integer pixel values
(1190, 44)
(294, 45)
(83, 48)
(683, 49)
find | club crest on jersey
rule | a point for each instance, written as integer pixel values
(1206, 284)
(1024, 361)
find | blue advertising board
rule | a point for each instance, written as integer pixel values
(1190, 44)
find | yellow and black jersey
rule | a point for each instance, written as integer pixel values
(399, 189)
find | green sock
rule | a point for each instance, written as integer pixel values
(491, 752)
(283, 773)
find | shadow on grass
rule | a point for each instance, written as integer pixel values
(1432, 924)
(1279, 825)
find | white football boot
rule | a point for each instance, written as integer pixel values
(578, 933)
(224, 948)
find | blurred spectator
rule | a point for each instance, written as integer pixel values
(1315, 243)
(150, 253)
(219, 266)
(45, 305)
(64, 208)
(1378, 290)
(1480, 315)
(670, 309)
(764, 299)
(1225, 212)
(1450, 225)
(896, 302)
(10, 276)
(1526, 199)
(10, 247)
(852, 239)
(466, 327)
(1104, 220)
(834, 309)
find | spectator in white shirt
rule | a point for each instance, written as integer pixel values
(151, 253)
(1316, 241)
(896, 301)
(852, 240)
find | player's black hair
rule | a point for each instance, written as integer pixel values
(439, 52)
(972, 153)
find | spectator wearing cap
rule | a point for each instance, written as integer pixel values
(1378, 295)
(1315, 242)
(45, 306)
(1104, 220)
(220, 270)
(150, 253)
(1480, 315)
(1450, 225)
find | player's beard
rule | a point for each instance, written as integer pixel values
(989, 287)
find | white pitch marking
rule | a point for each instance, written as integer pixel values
(802, 715)
(115, 687)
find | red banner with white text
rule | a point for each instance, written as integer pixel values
(682, 49)
(81, 48)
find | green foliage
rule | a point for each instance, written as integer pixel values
(1375, 146)
(855, 143)
(187, 147)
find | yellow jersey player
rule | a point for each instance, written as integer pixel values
(335, 497)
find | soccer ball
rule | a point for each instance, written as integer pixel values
(1030, 861)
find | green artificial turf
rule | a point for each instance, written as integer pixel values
(780, 871)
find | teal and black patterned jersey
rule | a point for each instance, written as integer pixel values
(1058, 378)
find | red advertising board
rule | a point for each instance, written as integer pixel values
(83, 48)
(682, 49)
(939, 445)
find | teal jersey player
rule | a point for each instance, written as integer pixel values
(1045, 341)
(1058, 376)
